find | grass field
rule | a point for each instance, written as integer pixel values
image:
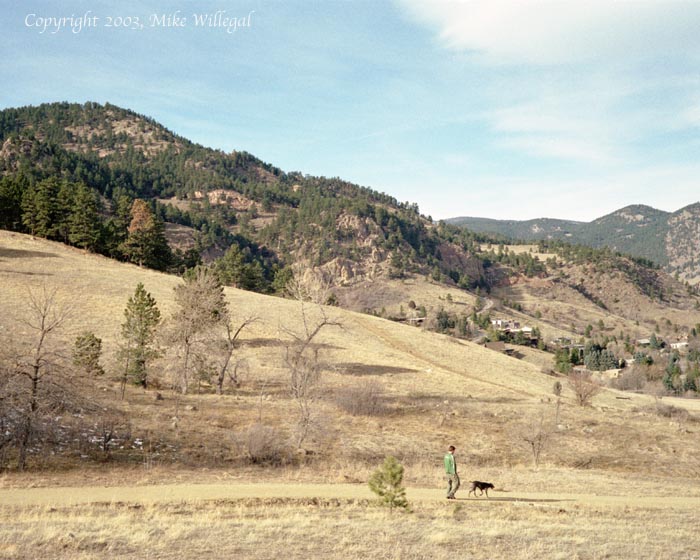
(338, 521)
(619, 479)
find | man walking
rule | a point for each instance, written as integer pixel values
(451, 470)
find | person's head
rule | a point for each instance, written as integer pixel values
(451, 448)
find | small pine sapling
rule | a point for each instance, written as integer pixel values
(386, 481)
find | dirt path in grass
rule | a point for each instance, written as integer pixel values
(67, 496)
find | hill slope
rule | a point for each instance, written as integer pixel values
(671, 240)
(211, 201)
(433, 388)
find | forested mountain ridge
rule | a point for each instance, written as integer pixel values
(110, 181)
(60, 161)
(670, 239)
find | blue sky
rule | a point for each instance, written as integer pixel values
(496, 109)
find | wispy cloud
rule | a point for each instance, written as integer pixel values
(538, 32)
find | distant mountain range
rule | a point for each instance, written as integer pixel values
(670, 239)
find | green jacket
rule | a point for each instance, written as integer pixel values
(450, 465)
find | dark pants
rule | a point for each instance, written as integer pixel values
(452, 484)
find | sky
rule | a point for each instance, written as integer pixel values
(509, 110)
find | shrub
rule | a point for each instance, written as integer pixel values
(364, 399)
(583, 387)
(630, 380)
(386, 481)
(265, 444)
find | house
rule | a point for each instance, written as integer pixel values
(500, 346)
(682, 345)
(505, 324)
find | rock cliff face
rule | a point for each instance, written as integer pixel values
(683, 243)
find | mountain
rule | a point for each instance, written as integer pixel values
(542, 228)
(111, 181)
(210, 204)
(671, 240)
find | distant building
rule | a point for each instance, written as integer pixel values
(562, 342)
(505, 324)
(515, 332)
(500, 346)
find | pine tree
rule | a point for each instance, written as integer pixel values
(84, 221)
(87, 352)
(11, 191)
(39, 208)
(386, 481)
(231, 266)
(116, 229)
(139, 332)
(64, 209)
(146, 244)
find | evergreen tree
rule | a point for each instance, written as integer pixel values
(87, 352)
(116, 229)
(654, 342)
(142, 318)
(253, 277)
(562, 360)
(444, 321)
(11, 190)
(40, 209)
(672, 376)
(146, 244)
(386, 482)
(230, 267)
(84, 221)
(64, 209)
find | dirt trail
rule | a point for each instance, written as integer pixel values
(69, 496)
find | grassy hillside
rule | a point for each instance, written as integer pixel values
(434, 389)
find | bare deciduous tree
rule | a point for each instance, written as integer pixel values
(33, 367)
(309, 285)
(229, 348)
(112, 426)
(583, 386)
(201, 307)
(301, 358)
(536, 436)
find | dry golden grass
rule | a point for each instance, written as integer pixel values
(617, 480)
(341, 528)
(394, 295)
(520, 249)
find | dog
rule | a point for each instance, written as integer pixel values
(481, 486)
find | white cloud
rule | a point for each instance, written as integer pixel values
(691, 116)
(538, 32)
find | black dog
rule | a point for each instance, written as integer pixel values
(481, 486)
